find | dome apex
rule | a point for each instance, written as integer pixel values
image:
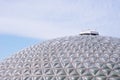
(89, 32)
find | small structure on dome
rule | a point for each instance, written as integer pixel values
(89, 32)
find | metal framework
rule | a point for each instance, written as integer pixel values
(82, 57)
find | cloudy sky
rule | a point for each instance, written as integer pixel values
(48, 19)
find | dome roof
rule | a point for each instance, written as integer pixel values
(82, 57)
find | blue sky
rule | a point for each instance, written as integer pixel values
(10, 44)
(47, 19)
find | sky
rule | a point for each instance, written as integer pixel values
(37, 20)
(10, 44)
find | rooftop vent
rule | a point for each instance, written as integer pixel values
(89, 32)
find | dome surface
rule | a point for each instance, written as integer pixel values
(82, 57)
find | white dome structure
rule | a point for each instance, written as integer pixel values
(82, 57)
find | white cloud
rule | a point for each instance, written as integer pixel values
(38, 29)
(56, 18)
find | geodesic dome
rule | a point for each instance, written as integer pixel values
(82, 57)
